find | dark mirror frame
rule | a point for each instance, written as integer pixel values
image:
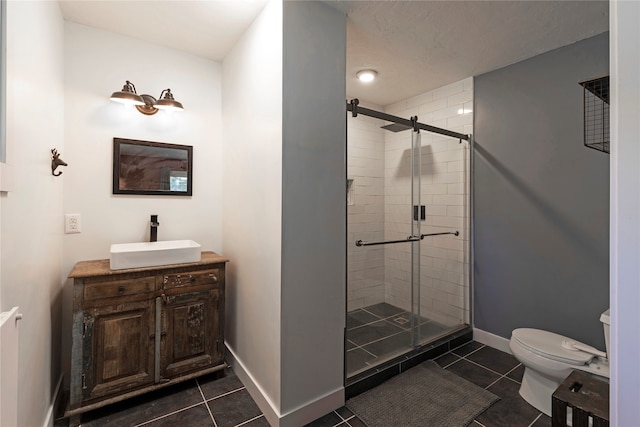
(140, 172)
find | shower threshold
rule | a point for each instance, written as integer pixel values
(379, 347)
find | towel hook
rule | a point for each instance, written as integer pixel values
(55, 162)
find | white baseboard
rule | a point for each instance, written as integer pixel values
(257, 393)
(300, 416)
(311, 411)
(55, 401)
(495, 341)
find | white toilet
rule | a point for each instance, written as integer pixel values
(549, 358)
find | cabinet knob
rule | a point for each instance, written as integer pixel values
(121, 288)
(214, 277)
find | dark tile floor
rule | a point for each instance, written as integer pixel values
(205, 401)
(380, 332)
(486, 367)
(209, 401)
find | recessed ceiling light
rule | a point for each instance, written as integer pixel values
(366, 76)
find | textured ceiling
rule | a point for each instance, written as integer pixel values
(415, 46)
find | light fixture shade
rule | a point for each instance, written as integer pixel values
(167, 102)
(127, 95)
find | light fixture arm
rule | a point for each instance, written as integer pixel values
(148, 107)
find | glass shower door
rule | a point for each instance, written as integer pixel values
(383, 228)
(408, 247)
(419, 213)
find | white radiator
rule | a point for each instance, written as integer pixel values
(9, 367)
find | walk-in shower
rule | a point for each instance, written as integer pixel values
(408, 234)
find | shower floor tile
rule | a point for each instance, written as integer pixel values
(430, 330)
(360, 317)
(383, 332)
(359, 357)
(384, 310)
(398, 343)
(372, 332)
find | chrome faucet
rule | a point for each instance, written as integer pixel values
(153, 235)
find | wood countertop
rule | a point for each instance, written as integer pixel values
(102, 267)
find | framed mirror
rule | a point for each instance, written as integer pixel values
(152, 168)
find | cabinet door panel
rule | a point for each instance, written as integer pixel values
(121, 350)
(192, 340)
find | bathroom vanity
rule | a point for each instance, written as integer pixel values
(140, 329)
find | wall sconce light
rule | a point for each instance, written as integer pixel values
(146, 104)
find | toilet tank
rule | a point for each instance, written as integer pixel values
(606, 323)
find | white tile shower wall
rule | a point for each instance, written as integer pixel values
(365, 214)
(444, 293)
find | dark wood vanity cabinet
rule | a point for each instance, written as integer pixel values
(137, 330)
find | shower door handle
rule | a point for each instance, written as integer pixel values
(360, 243)
(388, 242)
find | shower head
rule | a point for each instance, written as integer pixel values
(396, 127)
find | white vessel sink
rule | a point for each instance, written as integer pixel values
(149, 254)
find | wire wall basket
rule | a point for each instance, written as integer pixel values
(596, 113)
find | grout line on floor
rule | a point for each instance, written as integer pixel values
(347, 420)
(173, 413)
(514, 368)
(452, 363)
(248, 421)
(488, 369)
(206, 404)
(363, 349)
(383, 318)
(504, 376)
(224, 394)
(534, 421)
(487, 387)
(471, 352)
(380, 339)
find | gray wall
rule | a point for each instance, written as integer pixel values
(313, 204)
(541, 198)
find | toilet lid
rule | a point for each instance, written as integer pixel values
(548, 344)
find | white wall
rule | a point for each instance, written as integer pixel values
(97, 63)
(313, 211)
(31, 229)
(284, 214)
(252, 210)
(625, 211)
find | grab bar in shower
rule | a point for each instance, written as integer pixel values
(408, 239)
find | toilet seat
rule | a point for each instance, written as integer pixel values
(549, 345)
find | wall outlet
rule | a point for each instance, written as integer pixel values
(72, 223)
